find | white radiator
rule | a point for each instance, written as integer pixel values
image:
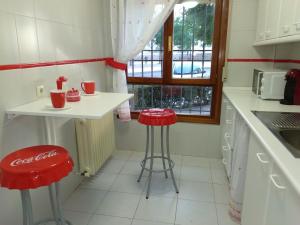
(95, 143)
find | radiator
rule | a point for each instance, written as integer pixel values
(95, 143)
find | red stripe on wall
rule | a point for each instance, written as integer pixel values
(116, 64)
(264, 60)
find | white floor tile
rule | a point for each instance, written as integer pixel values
(201, 174)
(157, 209)
(77, 218)
(221, 193)
(122, 155)
(133, 168)
(161, 187)
(102, 181)
(128, 184)
(195, 161)
(219, 176)
(223, 215)
(113, 166)
(196, 213)
(84, 200)
(197, 191)
(144, 222)
(119, 204)
(137, 156)
(109, 220)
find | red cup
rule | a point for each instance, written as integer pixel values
(88, 87)
(58, 98)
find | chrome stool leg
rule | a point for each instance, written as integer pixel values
(162, 150)
(27, 208)
(53, 204)
(151, 162)
(169, 160)
(146, 155)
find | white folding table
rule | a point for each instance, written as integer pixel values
(90, 107)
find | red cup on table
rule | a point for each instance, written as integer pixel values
(58, 98)
(88, 87)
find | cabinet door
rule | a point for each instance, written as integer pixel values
(283, 203)
(256, 187)
(261, 20)
(272, 18)
(296, 14)
(287, 18)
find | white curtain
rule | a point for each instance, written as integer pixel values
(133, 24)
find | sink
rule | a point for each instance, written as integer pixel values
(285, 126)
(292, 137)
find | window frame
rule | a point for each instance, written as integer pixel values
(217, 62)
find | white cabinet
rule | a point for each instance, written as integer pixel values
(227, 124)
(286, 18)
(256, 186)
(283, 206)
(261, 20)
(278, 21)
(272, 19)
(269, 198)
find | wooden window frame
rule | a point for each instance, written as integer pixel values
(218, 60)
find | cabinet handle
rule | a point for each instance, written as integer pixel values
(224, 162)
(275, 183)
(225, 148)
(258, 155)
(228, 121)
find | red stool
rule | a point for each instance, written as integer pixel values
(34, 167)
(162, 118)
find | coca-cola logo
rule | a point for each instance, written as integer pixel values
(41, 156)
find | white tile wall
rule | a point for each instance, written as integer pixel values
(42, 31)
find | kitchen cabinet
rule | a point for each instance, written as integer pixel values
(272, 19)
(227, 124)
(286, 18)
(278, 21)
(269, 198)
(261, 20)
(256, 186)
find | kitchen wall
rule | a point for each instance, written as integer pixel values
(34, 31)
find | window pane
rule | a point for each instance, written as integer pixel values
(193, 35)
(148, 63)
(187, 100)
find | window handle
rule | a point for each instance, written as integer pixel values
(170, 43)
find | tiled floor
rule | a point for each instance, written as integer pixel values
(113, 197)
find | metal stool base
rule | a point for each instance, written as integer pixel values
(54, 195)
(162, 157)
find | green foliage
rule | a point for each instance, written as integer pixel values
(195, 24)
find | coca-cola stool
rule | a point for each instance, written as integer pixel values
(162, 118)
(33, 167)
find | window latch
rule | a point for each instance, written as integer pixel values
(169, 43)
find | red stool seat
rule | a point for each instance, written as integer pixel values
(34, 167)
(157, 117)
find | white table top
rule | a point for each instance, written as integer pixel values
(90, 107)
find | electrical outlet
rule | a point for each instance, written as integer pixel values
(40, 90)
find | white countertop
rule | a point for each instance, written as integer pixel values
(90, 107)
(245, 101)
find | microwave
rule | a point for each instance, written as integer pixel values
(269, 84)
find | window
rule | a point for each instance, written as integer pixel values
(181, 66)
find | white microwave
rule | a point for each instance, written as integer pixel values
(269, 84)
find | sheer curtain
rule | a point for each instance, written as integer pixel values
(133, 25)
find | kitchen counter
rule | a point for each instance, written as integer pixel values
(245, 101)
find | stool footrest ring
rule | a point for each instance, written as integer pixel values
(143, 163)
